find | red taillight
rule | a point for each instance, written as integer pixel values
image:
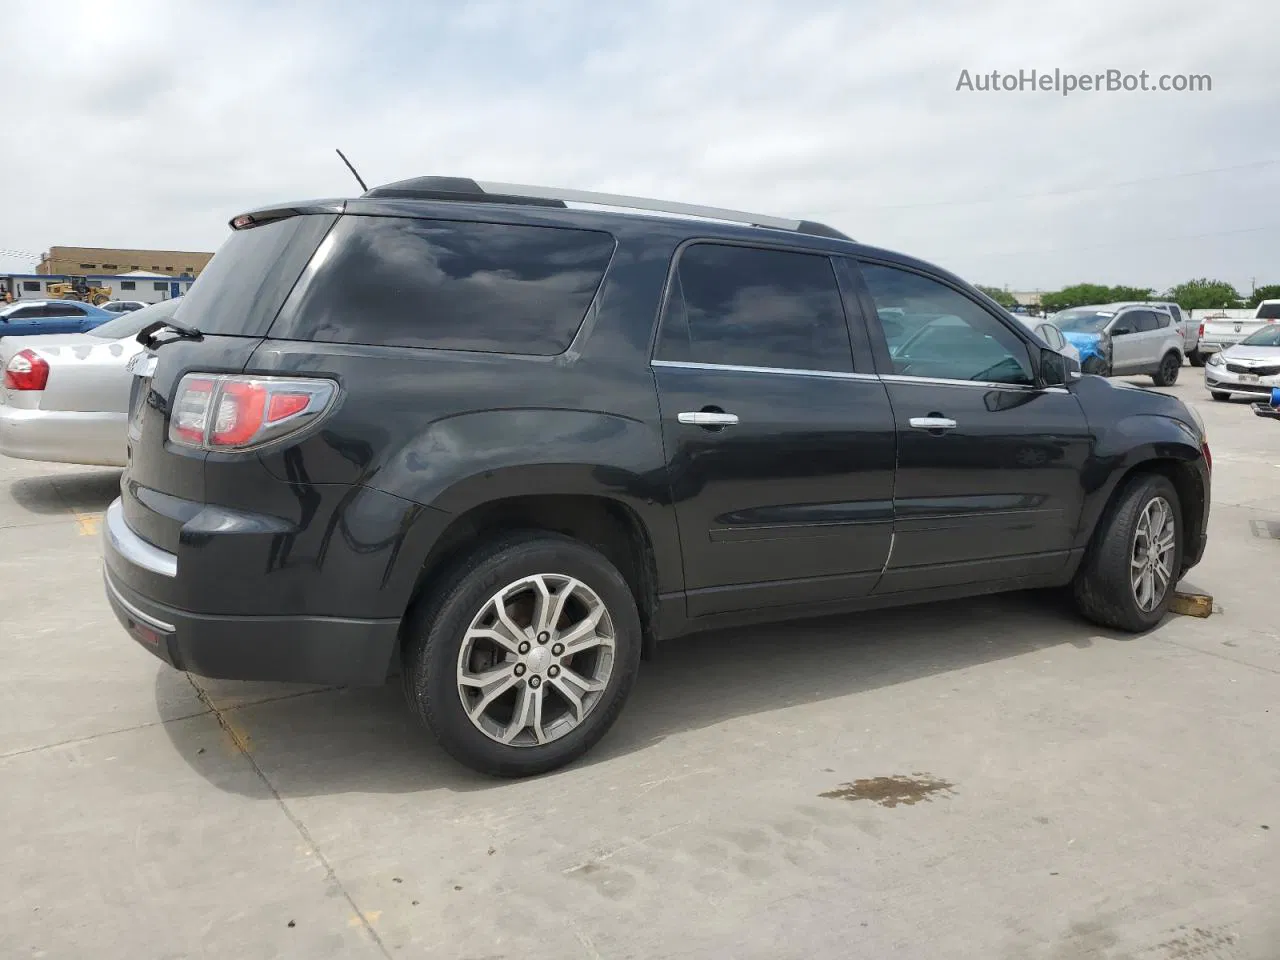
(240, 414)
(237, 413)
(26, 371)
(1200, 335)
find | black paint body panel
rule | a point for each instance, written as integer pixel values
(821, 498)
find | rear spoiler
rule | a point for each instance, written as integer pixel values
(256, 218)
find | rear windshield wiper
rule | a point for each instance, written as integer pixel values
(147, 336)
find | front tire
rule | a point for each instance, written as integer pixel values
(1128, 577)
(524, 656)
(1167, 375)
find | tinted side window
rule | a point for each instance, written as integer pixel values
(749, 307)
(1141, 321)
(63, 310)
(451, 285)
(26, 313)
(1163, 320)
(937, 332)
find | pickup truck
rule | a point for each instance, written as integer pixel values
(1218, 333)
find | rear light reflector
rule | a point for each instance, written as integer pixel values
(1208, 455)
(26, 370)
(240, 412)
(1201, 333)
(285, 405)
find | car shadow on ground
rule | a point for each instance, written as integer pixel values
(366, 740)
(57, 493)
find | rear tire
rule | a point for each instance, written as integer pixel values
(1167, 375)
(1196, 358)
(1219, 395)
(1145, 512)
(458, 636)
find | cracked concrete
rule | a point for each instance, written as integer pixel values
(1107, 797)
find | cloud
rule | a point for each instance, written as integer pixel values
(151, 124)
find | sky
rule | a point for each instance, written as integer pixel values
(141, 124)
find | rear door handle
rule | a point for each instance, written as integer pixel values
(933, 423)
(707, 418)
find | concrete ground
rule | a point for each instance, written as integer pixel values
(1034, 787)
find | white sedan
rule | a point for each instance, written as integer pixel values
(123, 306)
(65, 397)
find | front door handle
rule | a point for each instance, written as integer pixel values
(933, 423)
(708, 418)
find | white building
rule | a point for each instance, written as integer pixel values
(135, 285)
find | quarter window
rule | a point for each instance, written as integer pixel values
(935, 331)
(743, 306)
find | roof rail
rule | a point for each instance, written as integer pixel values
(466, 189)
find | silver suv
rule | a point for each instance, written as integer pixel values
(1125, 339)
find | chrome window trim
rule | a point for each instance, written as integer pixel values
(837, 375)
(783, 371)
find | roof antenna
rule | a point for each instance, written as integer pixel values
(352, 169)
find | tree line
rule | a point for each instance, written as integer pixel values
(1202, 294)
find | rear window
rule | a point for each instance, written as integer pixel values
(242, 289)
(451, 285)
(1268, 311)
(131, 324)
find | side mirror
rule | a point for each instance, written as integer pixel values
(1120, 331)
(1054, 368)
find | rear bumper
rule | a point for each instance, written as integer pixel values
(299, 649)
(63, 436)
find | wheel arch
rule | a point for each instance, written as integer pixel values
(1179, 467)
(607, 524)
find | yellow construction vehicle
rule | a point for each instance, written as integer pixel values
(77, 288)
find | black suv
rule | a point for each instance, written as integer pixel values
(504, 446)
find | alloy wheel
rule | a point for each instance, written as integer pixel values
(536, 660)
(1151, 559)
